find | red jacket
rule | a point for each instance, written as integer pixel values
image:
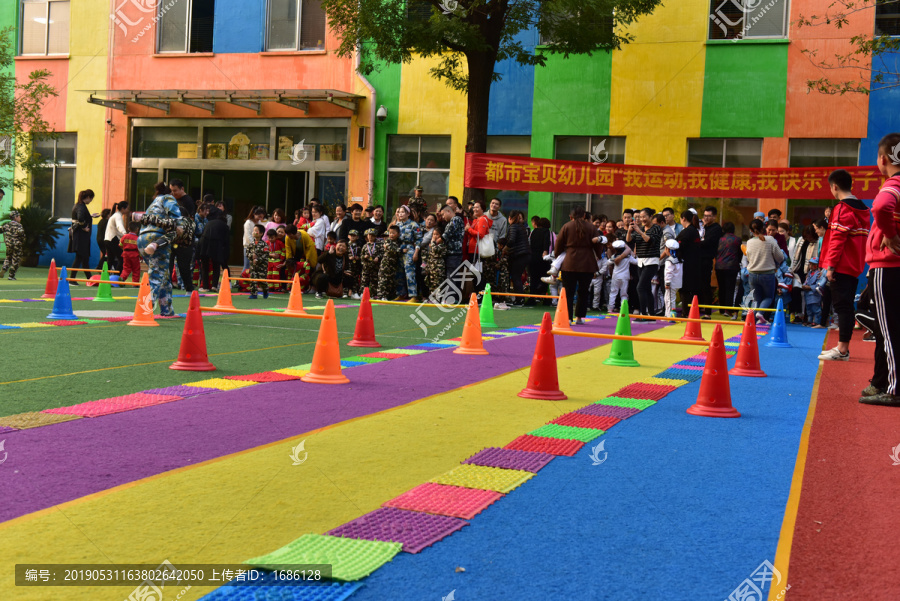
(886, 210)
(844, 246)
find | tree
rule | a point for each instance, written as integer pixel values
(471, 36)
(866, 52)
(21, 121)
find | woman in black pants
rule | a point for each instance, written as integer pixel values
(540, 248)
(518, 251)
(577, 240)
(80, 234)
(335, 271)
(646, 236)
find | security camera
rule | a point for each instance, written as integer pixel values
(109, 121)
(381, 115)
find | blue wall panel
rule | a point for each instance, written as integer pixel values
(884, 116)
(239, 26)
(64, 258)
(512, 97)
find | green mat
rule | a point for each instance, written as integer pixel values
(350, 559)
(632, 403)
(567, 432)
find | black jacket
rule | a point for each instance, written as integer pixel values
(214, 243)
(517, 241)
(540, 243)
(709, 248)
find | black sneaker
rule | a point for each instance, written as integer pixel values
(871, 391)
(12, 278)
(866, 320)
(884, 399)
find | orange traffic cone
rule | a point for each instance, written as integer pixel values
(192, 355)
(692, 329)
(561, 319)
(224, 299)
(365, 326)
(295, 302)
(326, 363)
(714, 399)
(471, 338)
(143, 308)
(52, 281)
(747, 362)
(543, 382)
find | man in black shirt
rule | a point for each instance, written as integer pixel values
(708, 250)
(689, 253)
(183, 251)
(355, 222)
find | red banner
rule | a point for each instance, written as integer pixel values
(502, 172)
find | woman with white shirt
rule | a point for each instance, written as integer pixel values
(115, 231)
(256, 215)
(319, 228)
(340, 213)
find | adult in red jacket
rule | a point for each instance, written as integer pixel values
(883, 257)
(844, 256)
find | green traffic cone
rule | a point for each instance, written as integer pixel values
(621, 353)
(487, 309)
(104, 291)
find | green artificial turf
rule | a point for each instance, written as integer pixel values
(60, 366)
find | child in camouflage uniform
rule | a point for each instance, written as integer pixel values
(390, 265)
(370, 255)
(161, 225)
(14, 235)
(435, 266)
(258, 254)
(354, 251)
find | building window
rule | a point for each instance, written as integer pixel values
(295, 25)
(53, 186)
(829, 153)
(45, 27)
(417, 161)
(547, 28)
(419, 10)
(517, 146)
(887, 19)
(187, 26)
(594, 149)
(734, 153)
(736, 19)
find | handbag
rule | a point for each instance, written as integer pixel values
(486, 248)
(335, 290)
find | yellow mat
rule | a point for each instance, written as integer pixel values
(251, 503)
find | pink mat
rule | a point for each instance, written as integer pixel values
(114, 405)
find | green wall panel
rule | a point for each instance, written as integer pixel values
(571, 98)
(8, 18)
(386, 82)
(744, 90)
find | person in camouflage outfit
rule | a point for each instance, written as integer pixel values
(354, 252)
(161, 224)
(258, 253)
(370, 255)
(390, 264)
(435, 264)
(14, 236)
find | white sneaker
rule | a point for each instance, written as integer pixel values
(355, 296)
(501, 306)
(834, 355)
(548, 279)
(549, 257)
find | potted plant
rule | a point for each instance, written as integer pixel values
(40, 232)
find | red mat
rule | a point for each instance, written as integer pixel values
(114, 405)
(541, 444)
(845, 539)
(581, 420)
(454, 501)
(653, 392)
(381, 355)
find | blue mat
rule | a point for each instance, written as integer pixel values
(682, 507)
(239, 592)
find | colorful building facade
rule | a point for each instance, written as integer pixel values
(246, 100)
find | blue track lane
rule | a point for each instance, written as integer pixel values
(684, 507)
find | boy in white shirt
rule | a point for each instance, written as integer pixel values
(621, 273)
(673, 275)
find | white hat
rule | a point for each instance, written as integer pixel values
(693, 210)
(619, 244)
(673, 244)
(603, 240)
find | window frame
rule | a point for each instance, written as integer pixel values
(833, 140)
(418, 169)
(46, 51)
(188, 32)
(298, 31)
(890, 17)
(588, 197)
(53, 165)
(725, 149)
(714, 5)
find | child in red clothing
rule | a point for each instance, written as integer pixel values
(276, 256)
(131, 260)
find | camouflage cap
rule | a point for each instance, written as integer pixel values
(353, 233)
(13, 214)
(371, 231)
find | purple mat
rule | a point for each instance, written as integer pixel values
(510, 459)
(218, 424)
(5, 429)
(182, 391)
(608, 411)
(414, 529)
